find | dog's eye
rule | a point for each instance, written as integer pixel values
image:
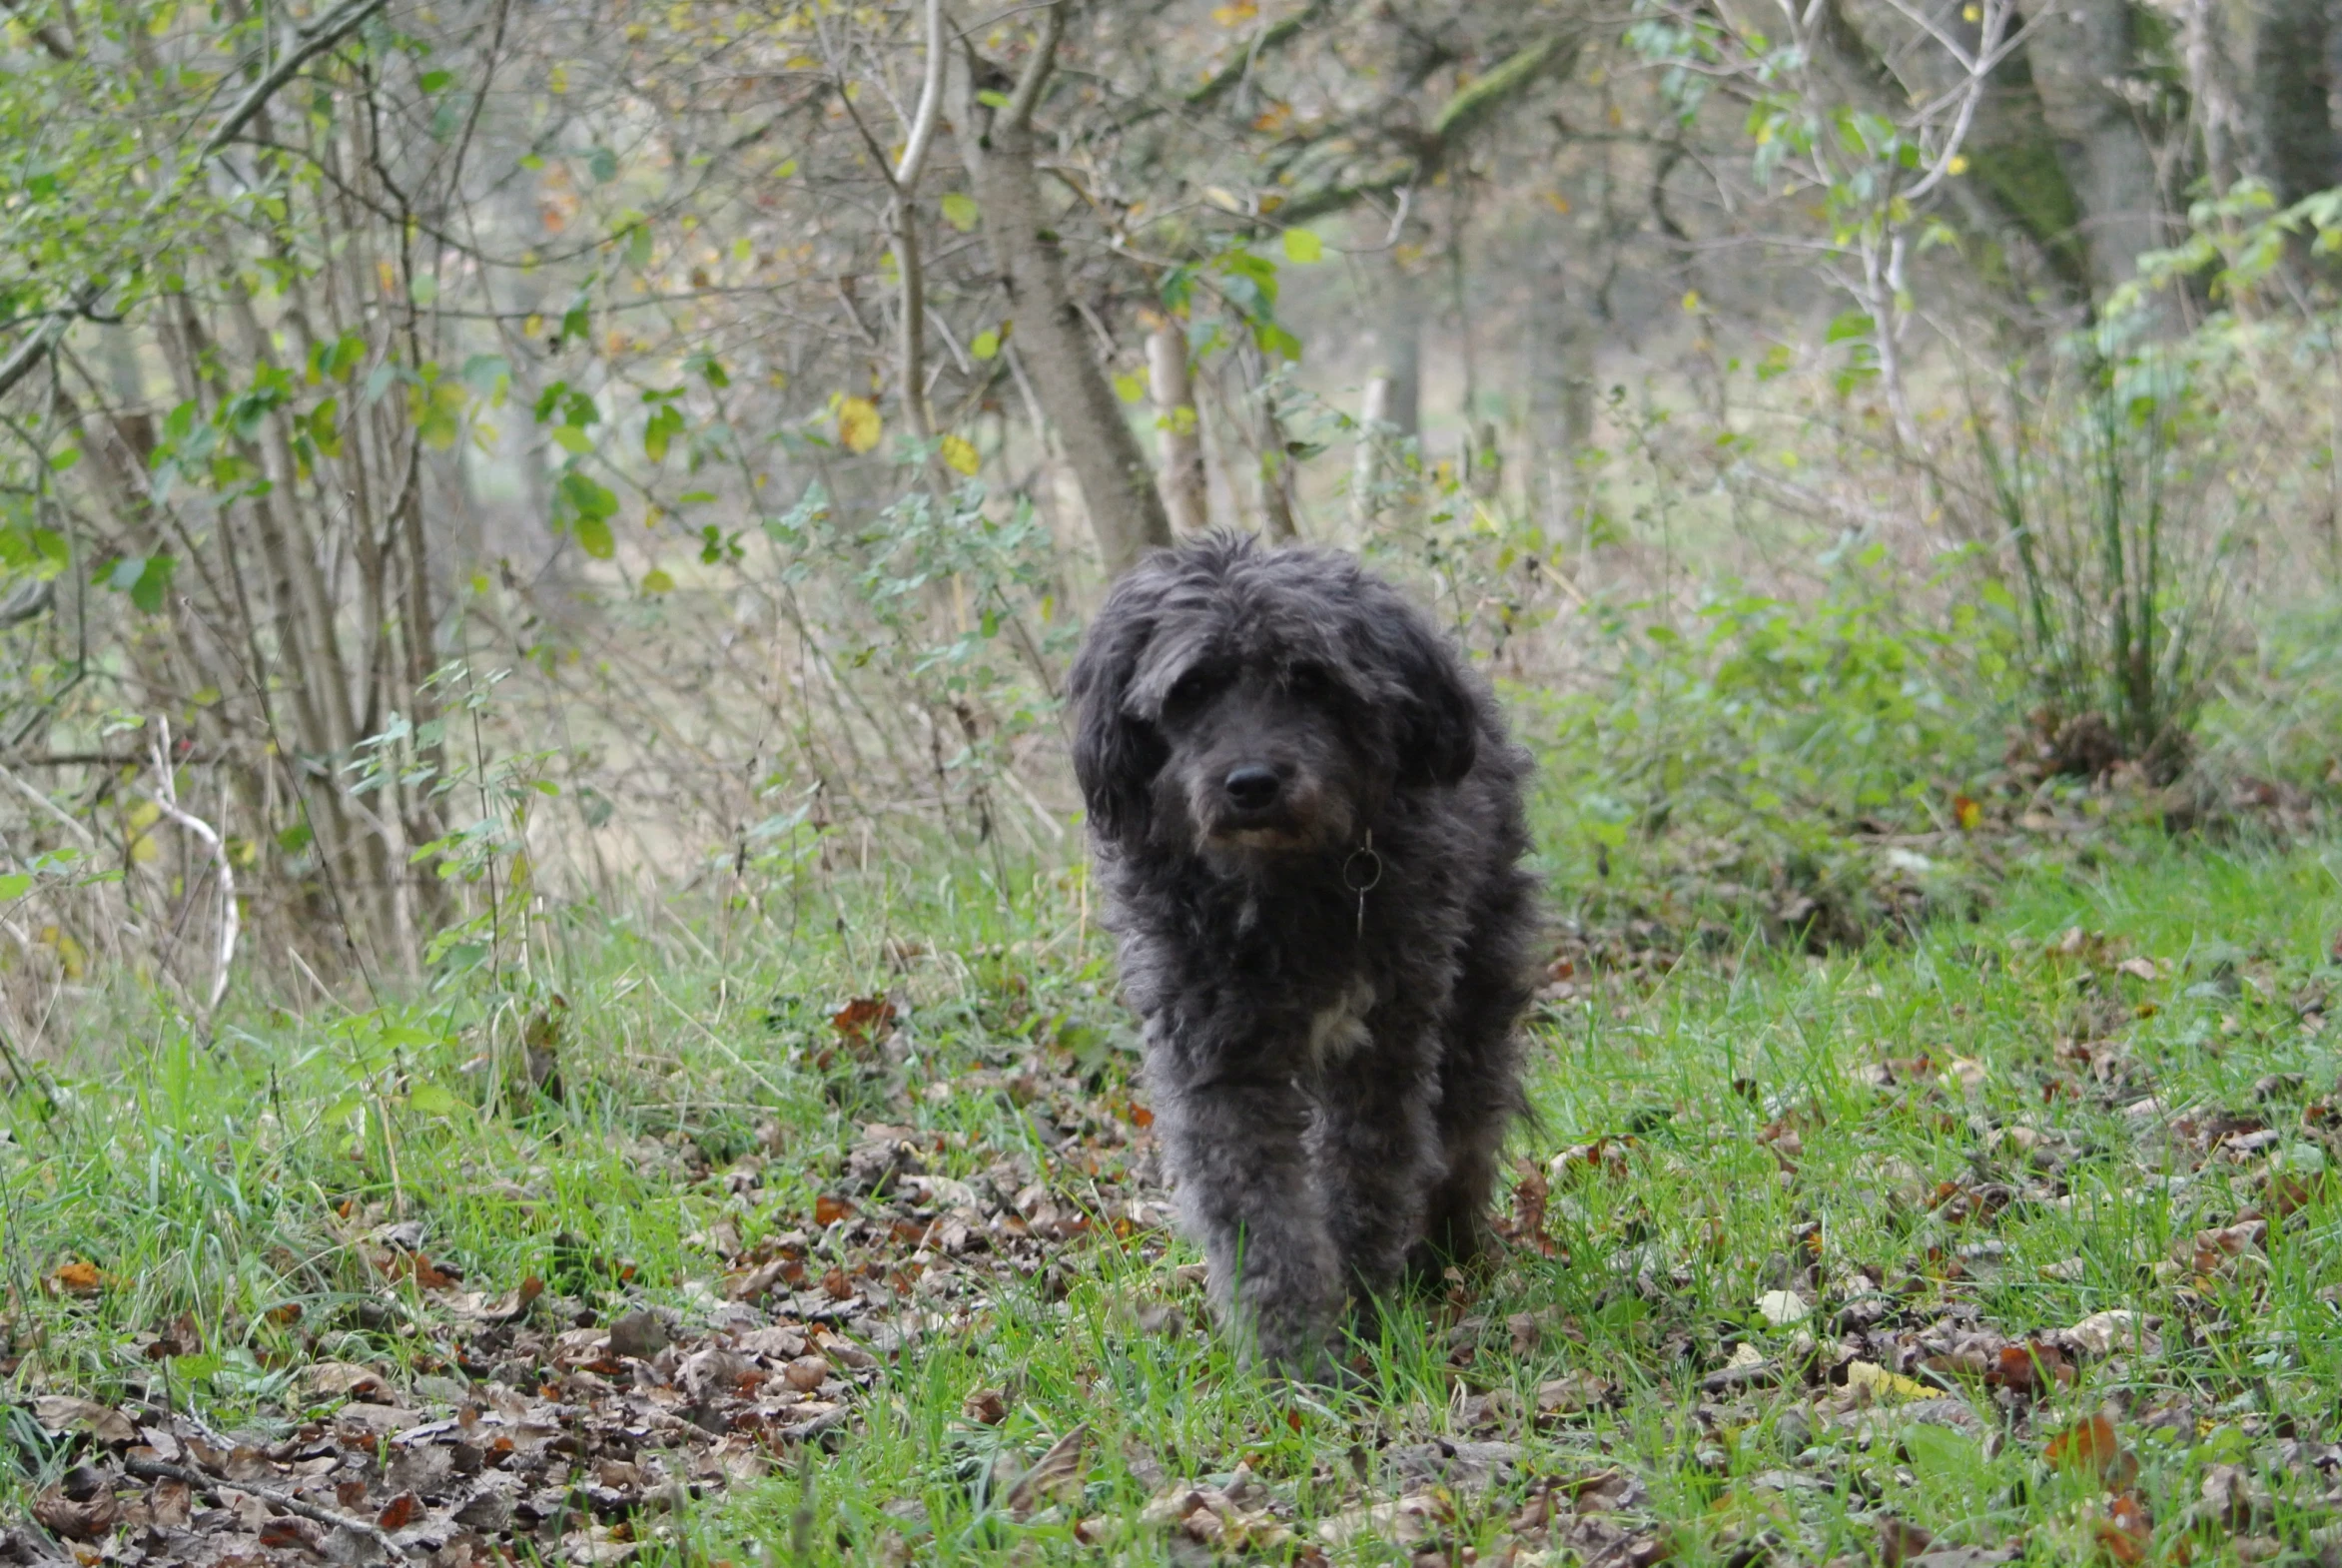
(1189, 690)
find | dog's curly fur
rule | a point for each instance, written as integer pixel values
(1258, 735)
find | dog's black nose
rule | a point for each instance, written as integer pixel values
(1250, 788)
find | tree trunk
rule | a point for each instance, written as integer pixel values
(1366, 469)
(1274, 467)
(1185, 496)
(1392, 410)
(1399, 352)
(2078, 53)
(1117, 489)
(2295, 140)
(1561, 404)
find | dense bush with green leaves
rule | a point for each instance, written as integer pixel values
(1771, 758)
(2276, 715)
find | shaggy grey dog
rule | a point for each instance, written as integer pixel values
(1308, 819)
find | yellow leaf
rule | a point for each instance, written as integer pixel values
(69, 951)
(1302, 246)
(1876, 1382)
(1558, 202)
(1235, 13)
(960, 454)
(80, 1277)
(859, 425)
(1972, 13)
(1958, 164)
(533, 328)
(557, 79)
(1690, 303)
(656, 580)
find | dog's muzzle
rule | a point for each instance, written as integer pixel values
(1261, 807)
(1252, 789)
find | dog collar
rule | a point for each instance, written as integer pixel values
(1362, 873)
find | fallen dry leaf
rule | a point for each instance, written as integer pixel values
(1530, 1195)
(2091, 1446)
(487, 1308)
(2103, 1334)
(2223, 1250)
(862, 1018)
(342, 1380)
(1900, 1542)
(1056, 1471)
(1607, 1156)
(1402, 1521)
(2031, 1368)
(62, 1413)
(1870, 1381)
(2234, 1496)
(77, 1519)
(79, 1277)
(2126, 1531)
(1566, 1395)
(1236, 1519)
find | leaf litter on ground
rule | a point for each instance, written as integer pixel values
(1592, 1398)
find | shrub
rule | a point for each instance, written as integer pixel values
(1800, 764)
(2119, 520)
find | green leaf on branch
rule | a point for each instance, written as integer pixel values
(1850, 326)
(589, 500)
(662, 427)
(146, 578)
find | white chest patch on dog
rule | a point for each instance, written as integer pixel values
(1337, 1031)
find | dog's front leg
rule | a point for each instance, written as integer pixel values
(1380, 1140)
(1239, 1149)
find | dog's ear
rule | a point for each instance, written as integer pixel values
(1116, 754)
(1438, 717)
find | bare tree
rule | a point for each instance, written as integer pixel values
(1000, 149)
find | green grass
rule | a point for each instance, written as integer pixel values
(706, 1102)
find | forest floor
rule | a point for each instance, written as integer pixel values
(837, 1235)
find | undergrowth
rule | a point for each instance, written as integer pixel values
(1751, 1174)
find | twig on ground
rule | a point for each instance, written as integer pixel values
(164, 1470)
